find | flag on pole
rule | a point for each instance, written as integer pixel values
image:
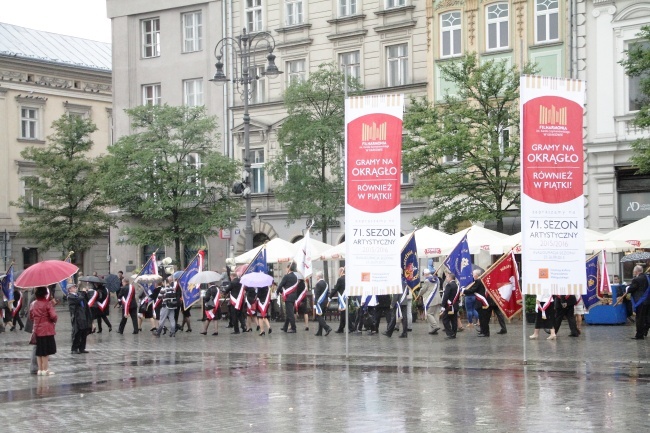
(190, 292)
(603, 283)
(64, 283)
(591, 298)
(502, 284)
(303, 256)
(8, 284)
(258, 264)
(459, 262)
(410, 271)
(149, 268)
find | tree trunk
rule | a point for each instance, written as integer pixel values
(177, 252)
(325, 263)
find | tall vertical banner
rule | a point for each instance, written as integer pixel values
(552, 199)
(373, 155)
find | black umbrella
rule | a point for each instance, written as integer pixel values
(640, 256)
(92, 279)
(112, 282)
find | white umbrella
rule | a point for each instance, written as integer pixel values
(317, 248)
(276, 249)
(428, 241)
(636, 233)
(205, 277)
(478, 239)
(337, 252)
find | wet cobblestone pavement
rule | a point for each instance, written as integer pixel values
(299, 382)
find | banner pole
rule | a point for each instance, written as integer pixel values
(347, 327)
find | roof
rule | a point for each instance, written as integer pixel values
(21, 42)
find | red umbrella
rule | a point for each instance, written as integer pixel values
(45, 273)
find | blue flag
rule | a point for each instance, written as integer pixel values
(191, 293)
(591, 298)
(149, 268)
(410, 265)
(8, 284)
(459, 263)
(258, 264)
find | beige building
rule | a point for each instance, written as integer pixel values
(43, 76)
(164, 53)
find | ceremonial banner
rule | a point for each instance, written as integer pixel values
(190, 292)
(258, 264)
(552, 201)
(502, 284)
(8, 284)
(591, 298)
(459, 262)
(410, 271)
(149, 268)
(303, 257)
(373, 154)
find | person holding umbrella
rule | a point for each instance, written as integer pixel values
(78, 307)
(42, 313)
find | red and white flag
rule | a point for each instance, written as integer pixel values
(502, 284)
(603, 283)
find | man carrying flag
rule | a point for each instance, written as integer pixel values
(8, 297)
(503, 293)
(321, 293)
(449, 305)
(410, 282)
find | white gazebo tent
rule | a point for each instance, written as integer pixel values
(636, 233)
(276, 249)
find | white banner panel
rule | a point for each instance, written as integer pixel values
(372, 194)
(552, 200)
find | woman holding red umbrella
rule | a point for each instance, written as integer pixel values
(44, 317)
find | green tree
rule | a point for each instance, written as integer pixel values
(637, 64)
(64, 208)
(464, 151)
(169, 179)
(309, 164)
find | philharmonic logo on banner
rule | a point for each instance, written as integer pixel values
(552, 203)
(372, 194)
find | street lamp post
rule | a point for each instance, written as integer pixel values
(245, 47)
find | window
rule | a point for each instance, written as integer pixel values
(151, 38)
(497, 26)
(295, 71)
(31, 199)
(151, 94)
(636, 98)
(546, 21)
(448, 159)
(406, 178)
(395, 3)
(258, 184)
(504, 139)
(397, 56)
(350, 62)
(193, 92)
(294, 12)
(450, 34)
(253, 15)
(347, 7)
(29, 123)
(192, 32)
(258, 85)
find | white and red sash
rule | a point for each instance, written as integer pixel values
(544, 307)
(17, 307)
(104, 304)
(93, 299)
(289, 290)
(263, 307)
(238, 302)
(211, 313)
(482, 299)
(126, 302)
(301, 298)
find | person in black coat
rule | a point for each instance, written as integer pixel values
(237, 315)
(321, 292)
(484, 311)
(126, 297)
(637, 289)
(288, 290)
(449, 308)
(15, 313)
(565, 307)
(103, 307)
(79, 315)
(339, 288)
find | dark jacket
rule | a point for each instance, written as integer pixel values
(122, 294)
(320, 287)
(451, 288)
(77, 306)
(288, 281)
(340, 285)
(638, 286)
(233, 288)
(44, 317)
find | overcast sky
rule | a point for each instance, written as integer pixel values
(81, 18)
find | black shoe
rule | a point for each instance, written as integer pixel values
(318, 334)
(386, 334)
(172, 334)
(235, 332)
(307, 328)
(13, 328)
(229, 326)
(270, 331)
(547, 330)
(83, 351)
(75, 352)
(327, 332)
(637, 338)
(435, 331)
(291, 331)
(203, 333)
(410, 330)
(188, 330)
(403, 335)
(164, 330)
(450, 337)
(134, 332)
(122, 332)
(110, 329)
(258, 328)
(339, 331)
(483, 335)
(215, 333)
(503, 331)
(99, 332)
(262, 334)
(574, 335)
(283, 329)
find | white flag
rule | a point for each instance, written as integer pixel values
(303, 256)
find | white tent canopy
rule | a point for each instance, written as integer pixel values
(478, 239)
(594, 241)
(429, 242)
(276, 250)
(317, 248)
(636, 234)
(337, 252)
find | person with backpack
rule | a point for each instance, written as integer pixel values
(170, 301)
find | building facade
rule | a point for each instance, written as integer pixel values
(42, 77)
(382, 42)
